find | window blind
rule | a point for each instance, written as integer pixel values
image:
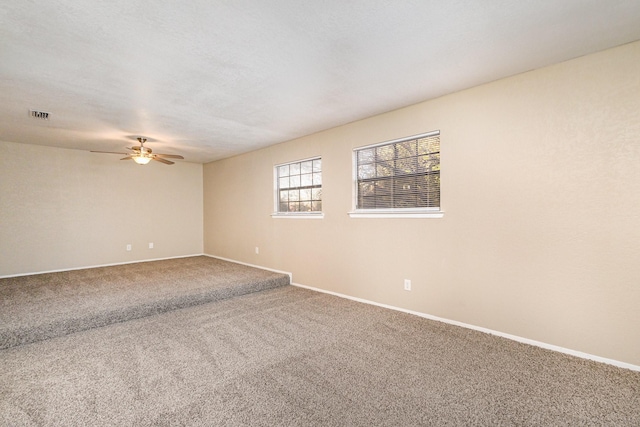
(400, 174)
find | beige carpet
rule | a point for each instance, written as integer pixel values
(42, 306)
(293, 357)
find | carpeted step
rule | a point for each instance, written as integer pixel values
(38, 307)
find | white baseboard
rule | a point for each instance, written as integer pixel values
(390, 307)
(544, 345)
(97, 266)
(253, 265)
(559, 349)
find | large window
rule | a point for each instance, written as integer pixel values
(400, 176)
(299, 187)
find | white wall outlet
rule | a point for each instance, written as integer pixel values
(150, 245)
(128, 247)
(407, 284)
(257, 250)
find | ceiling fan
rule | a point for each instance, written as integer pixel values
(143, 155)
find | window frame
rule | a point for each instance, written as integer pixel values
(276, 196)
(416, 212)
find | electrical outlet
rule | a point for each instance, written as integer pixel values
(150, 245)
(407, 284)
(128, 247)
(257, 250)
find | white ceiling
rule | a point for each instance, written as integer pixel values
(209, 79)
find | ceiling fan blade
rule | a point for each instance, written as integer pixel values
(108, 152)
(126, 158)
(161, 160)
(170, 156)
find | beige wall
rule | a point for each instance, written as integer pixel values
(62, 209)
(541, 193)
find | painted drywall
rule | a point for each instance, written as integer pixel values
(62, 209)
(541, 192)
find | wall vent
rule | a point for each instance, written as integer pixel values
(42, 115)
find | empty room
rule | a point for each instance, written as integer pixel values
(340, 213)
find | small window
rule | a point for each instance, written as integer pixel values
(400, 177)
(298, 188)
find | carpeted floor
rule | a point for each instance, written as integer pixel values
(292, 357)
(42, 306)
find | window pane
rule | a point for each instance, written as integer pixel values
(429, 194)
(384, 169)
(366, 188)
(284, 196)
(305, 180)
(316, 206)
(294, 181)
(294, 207)
(404, 184)
(316, 194)
(366, 156)
(367, 203)
(383, 202)
(283, 170)
(294, 169)
(305, 206)
(366, 171)
(383, 186)
(428, 145)
(294, 195)
(404, 192)
(284, 182)
(305, 194)
(428, 163)
(317, 165)
(386, 152)
(306, 167)
(284, 207)
(406, 166)
(317, 178)
(406, 149)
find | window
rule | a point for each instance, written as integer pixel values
(299, 188)
(399, 178)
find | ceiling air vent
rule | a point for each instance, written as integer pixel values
(42, 115)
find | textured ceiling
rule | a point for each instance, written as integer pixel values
(211, 79)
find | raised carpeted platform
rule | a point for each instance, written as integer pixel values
(38, 307)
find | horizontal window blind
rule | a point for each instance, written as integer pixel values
(400, 174)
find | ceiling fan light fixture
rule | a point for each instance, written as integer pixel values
(143, 155)
(141, 160)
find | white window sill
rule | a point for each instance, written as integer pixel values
(395, 213)
(298, 215)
